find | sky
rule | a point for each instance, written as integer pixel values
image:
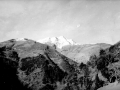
(84, 21)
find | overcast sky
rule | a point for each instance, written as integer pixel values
(84, 21)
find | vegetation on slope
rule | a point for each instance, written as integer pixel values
(28, 65)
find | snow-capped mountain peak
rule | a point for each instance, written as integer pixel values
(58, 41)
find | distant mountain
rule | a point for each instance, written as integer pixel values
(59, 42)
(73, 50)
(82, 53)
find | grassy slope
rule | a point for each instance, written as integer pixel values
(82, 53)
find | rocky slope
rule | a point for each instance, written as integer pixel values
(28, 65)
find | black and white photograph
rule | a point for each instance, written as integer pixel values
(59, 44)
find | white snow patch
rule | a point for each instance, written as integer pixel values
(58, 41)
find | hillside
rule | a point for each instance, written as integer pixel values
(111, 86)
(82, 53)
(75, 51)
(28, 65)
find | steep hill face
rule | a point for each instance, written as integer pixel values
(28, 65)
(108, 64)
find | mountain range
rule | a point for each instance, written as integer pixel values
(57, 65)
(75, 51)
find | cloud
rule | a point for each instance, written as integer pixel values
(82, 20)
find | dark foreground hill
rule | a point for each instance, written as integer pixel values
(29, 65)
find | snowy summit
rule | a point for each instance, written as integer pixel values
(58, 41)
